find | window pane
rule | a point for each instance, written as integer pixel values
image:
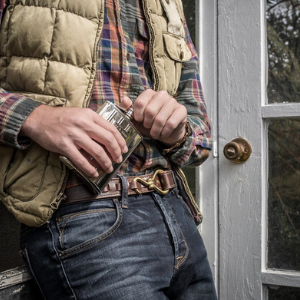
(284, 194)
(283, 24)
(284, 293)
(189, 7)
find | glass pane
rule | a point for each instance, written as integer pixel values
(284, 194)
(189, 11)
(284, 293)
(283, 24)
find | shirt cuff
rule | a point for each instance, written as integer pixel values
(13, 116)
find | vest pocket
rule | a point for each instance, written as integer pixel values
(24, 173)
(176, 47)
(176, 52)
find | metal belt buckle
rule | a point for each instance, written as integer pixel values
(150, 183)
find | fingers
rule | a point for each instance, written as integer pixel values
(140, 105)
(107, 135)
(161, 114)
(126, 103)
(168, 121)
(80, 160)
(66, 130)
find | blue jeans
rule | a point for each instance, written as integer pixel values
(99, 250)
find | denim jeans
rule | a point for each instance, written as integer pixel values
(97, 250)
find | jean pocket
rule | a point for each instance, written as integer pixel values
(83, 229)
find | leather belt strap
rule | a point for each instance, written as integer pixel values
(162, 180)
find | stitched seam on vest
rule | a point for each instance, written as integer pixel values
(49, 59)
(94, 59)
(32, 93)
(31, 214)
(149, 19)
(58, 9)
(51, 52)
(7, 39)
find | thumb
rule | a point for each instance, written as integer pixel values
(126, 103)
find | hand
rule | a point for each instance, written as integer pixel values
(66, 130)
(159, 116)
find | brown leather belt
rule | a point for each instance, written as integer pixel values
(160, 181)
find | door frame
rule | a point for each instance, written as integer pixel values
(233, 68)
(207, 174)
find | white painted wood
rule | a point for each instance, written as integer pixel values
(234, 197)
(281, 110)
(240, 98)
(13, 277)
(208, 52)
(281, 278)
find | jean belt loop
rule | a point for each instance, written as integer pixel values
(124, 191)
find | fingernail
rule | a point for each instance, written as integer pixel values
(125, 149)
(120, 159)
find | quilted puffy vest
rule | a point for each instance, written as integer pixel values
(50, 56)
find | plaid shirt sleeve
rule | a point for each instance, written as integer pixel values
(196, 149)
(14, 109)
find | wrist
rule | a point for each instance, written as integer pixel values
(31, 121)
(166, 148)
(173, 142)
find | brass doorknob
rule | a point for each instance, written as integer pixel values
(238, 150)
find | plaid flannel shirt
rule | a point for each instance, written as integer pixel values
(125, 74)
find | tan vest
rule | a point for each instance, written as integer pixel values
(42, 56)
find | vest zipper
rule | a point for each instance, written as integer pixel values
(186, 187)
(151, 45)
(60, 196)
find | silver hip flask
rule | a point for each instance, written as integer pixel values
(121, 119)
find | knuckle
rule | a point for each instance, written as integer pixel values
(106, 164)
(80, 121)
(149, 111)
(63, 144)
(99, 155)
(111, 146)
(154, 134)
(182, 108)
(172, 102)
(163, 94)
(114, 132)
(138, 104)
(160, 121)
(170, 125)
(87, 111)
(149, 91)
(109, 140)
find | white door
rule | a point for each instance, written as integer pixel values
(250, 52)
